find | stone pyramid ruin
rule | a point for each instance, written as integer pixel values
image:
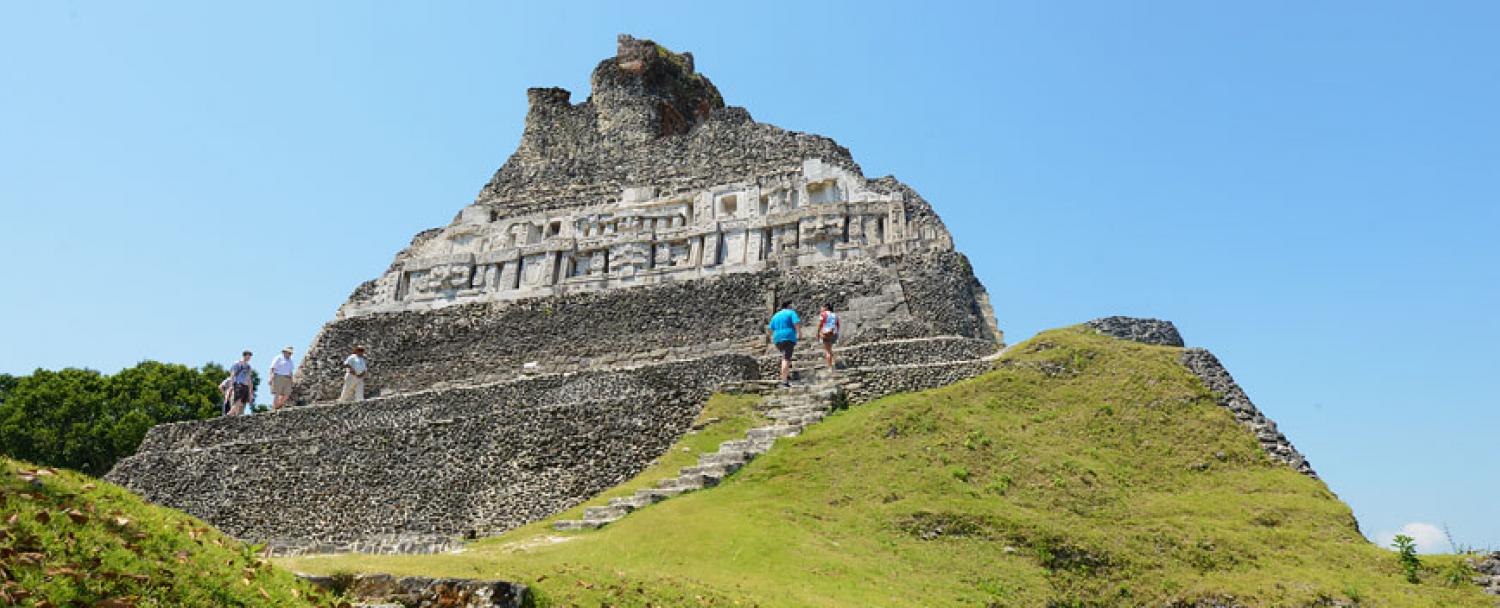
(568, 325)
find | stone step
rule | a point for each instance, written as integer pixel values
(725, 457)
(690, 482)
(798, 420)
(579, 524)
(609, 513)
(738, 445)
(779, 406)
(772, 432)
(659, 494)
(797, 394)
(798, 410)
(816, 396)
(629, 503)
(721, 470)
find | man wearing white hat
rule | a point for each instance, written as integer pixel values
(281, 378)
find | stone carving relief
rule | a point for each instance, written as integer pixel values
(816, 214)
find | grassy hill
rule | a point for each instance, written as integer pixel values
(68, 540)
(1083, 471)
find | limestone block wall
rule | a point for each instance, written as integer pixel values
(487, 342)
(410, 473)
(868, 384)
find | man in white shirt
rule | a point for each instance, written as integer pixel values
(281, 378)
(355, 367)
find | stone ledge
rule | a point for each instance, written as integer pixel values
(1145, 331)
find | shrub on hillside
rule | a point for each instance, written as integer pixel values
(69, 540)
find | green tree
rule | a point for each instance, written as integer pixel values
(84, 420)
(7, 382)
(1406, 554)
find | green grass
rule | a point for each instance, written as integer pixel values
(1083, 471)
(68, 540)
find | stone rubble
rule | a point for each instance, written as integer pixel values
(1145, 331)
(380, 590)
(1487, 573)
(1207, 368)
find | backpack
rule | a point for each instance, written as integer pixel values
(830, 324)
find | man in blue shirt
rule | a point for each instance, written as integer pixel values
(241, 375)
(786, 330)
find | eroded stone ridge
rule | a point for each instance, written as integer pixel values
(1208, 369)
(1145, 331)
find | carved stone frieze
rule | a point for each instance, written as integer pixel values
(806, 215)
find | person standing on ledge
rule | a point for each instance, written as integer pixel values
(828, 332)
(242, 376)
(355, 367)
(227, 388)
(281, 379)
(786, 330)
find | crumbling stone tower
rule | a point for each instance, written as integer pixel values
(564, 329)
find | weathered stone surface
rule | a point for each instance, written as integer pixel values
(1487, 572)
(417, 473)
(1145, 331)
(487, 342)
(1231, 397)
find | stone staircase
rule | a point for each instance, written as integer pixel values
(812, 396)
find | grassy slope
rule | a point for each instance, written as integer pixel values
(1083, 471)
(66, 539)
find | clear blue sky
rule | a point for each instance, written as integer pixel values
(1308, 189)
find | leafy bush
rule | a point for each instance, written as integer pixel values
(84, 420)
(1458, 573)
(1406, 554)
